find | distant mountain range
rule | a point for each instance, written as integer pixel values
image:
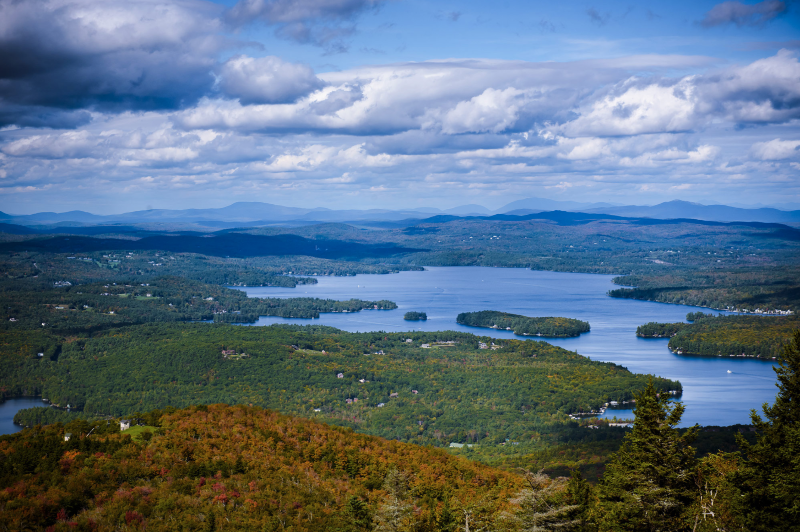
(256, 213)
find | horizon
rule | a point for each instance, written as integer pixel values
(112, 107)
(786, 207)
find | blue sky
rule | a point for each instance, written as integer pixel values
(112, 106)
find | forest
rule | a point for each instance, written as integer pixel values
(524, 325)
(222, 467)
(709, 335)
(376, 383)
(415, 316)
(750, 336)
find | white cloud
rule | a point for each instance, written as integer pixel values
(776, 149)
(266, 80)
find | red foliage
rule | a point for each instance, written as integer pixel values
(132, 517)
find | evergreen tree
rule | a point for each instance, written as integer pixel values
(580, 495)
(648, 484)
(770, 479)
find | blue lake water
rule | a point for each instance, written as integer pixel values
(712, 395)
(10, 407)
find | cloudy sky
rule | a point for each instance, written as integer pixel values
(118, 105)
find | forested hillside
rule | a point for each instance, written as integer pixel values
(524, 325)
(377, 383)
(241, 468)
(751, 336)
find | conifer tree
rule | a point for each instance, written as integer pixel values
(648, 484)
(770, 480)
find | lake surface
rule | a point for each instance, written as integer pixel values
(712, 395)
(10, 407)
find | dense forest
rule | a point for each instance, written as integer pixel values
(220, 467)
(749, 336)
(415, 316)
(92, 307)
(746, 290)
(659, 330)
(524, 325)
(377, 383)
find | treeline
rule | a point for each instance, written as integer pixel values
(388, 386)
(297, 307)
(524, 325)
(415, 316)
(750, 336)
(659, 330)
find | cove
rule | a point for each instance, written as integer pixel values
(10, 407)
(712, 395)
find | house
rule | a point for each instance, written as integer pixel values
(348, 401)
(40, 355)
(425, 346)
(361, 380)
(340, 375)
(124, 424)
(381, 405)
(415, 392)
(317, 410)
(67, 436)
(409, 340)
(393, 394)
(629, 425)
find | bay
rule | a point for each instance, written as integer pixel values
(712, 395)
(10, 407)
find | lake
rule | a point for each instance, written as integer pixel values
(10, 407)
(712, 395)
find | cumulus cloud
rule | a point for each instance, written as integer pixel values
(777, 149)
(266, 80)
(71, 54)
(734, 12)
(320, 22)
(485, 125)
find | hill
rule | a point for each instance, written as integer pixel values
(223, 467)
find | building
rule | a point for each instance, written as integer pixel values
(67, 436)
(124, 424)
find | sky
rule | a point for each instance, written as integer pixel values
(112, 106)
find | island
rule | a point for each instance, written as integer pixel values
(552, 327)
(730, 336)
(415, 316)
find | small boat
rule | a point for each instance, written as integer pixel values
(729, 371)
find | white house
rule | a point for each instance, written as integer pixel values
(125, 424)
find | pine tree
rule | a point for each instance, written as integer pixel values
(770, 479)
(580, 495)
(648, 484)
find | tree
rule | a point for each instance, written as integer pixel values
(394, 514)
(648, 484)
(545, 504)
(580, 494)
(770, 478)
